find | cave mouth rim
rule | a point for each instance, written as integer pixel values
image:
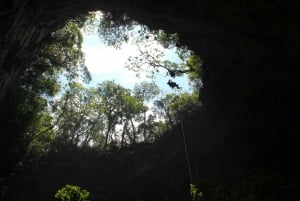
(96, 20)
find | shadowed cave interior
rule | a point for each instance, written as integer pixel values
(245, 134)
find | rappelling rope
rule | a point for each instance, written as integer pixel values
(186, 152)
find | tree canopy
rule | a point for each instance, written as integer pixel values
(108, 113)
(56, 111)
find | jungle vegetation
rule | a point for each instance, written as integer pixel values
(66, 126)
(54, 116)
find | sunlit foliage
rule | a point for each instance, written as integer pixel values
(72, 193)
(175, 108)
(103, 115)
(114, 28)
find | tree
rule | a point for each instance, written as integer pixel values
(152, 129)
(120, 107)
(99, 116)
(152, 61)
(174, 108)
(28, 96)
(78, 117)
(145, 91)
(112, 98)
(194, 62)
(40, 137)
(132, 110)
(64, 53)
(162, 109)
(61, 54)
(183, 105)
(116, 28)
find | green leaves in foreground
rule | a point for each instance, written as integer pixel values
(72, 193)
(195, 193)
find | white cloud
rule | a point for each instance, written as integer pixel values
(102, 59)
(107, 63)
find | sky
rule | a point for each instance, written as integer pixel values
(107, 63)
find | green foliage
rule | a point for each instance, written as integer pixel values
(121, 106)
(195, 193)
(41, 134)
(99, 116)
(114, 28)
(174, 108)
(85, 21)
(40, 82)
(61, 54)
(208, 190)
(72, 193)
(194, 63)
(152, 61)
(77, 116)
(92, 116)
(165, 39)
(184, 104)
(146, 90)
(64, 53)
(152, 129)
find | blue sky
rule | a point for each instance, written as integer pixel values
(107, 63)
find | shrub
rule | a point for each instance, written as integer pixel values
(72, 193)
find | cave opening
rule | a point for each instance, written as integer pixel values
(160, 95)
(74, 117)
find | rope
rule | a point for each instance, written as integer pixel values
(186, 153)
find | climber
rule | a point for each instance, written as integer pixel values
(173, 84)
